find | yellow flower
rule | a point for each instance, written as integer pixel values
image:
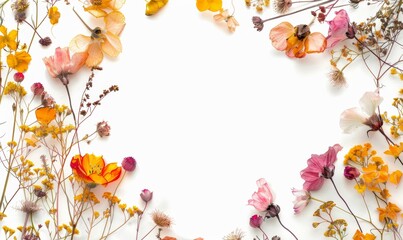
(395, 150)
(9, 39)
(12, 88)
(101, 40)
(98, 7)
(54, 15)
(19, 61)
(211, 5)
(360, 236)
(153, 6)
(389, 212)
(395, 177)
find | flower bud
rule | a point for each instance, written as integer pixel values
(129, 164)
(351, 172)
(273, 210)
(255, 221)
(103, 129)
(146, 195)
(18, 77)
(37, 89)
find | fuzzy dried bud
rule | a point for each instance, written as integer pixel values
(258, 23)
(46, 41)
(129, 164)
(37, 89)
(103, 129)
(19, 77)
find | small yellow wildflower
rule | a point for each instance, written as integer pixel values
(12, 88)
(9, 39)
(54, 15)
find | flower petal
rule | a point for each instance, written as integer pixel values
(279, 35)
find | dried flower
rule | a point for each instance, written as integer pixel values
(255, 221)
(319, 168)
(237, 234)
(37, 89)
(129, 164)
(18, 77)
(258, 23)
(263, 197)
(302, 198)
(273, 210)
(338, 28)
(103, 129)
(351, 172)
(161, 219)
(146, 195)
(46, 41)
(29, 207)
(337, 78)
(282, 6)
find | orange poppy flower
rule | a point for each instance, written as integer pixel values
(92, 169)
(296, 41)
(98, 8)
(102, 40)
(45, 115)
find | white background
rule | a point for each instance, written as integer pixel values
(206, 113)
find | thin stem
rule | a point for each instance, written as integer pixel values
(278, 218)
(71, 106)
(337, 191)
(138, 222)
(148, 232)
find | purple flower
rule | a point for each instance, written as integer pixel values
(263, 197)
(319, 168)
(255, 221)
(129, 164)
(302, 198)
(146, 195)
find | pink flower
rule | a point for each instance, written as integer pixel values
(146, 195)
(366, 115)
(263, 197)
(351, 172)
(255, 221)
(61, 65)
(338, 28)
(302, 198)
(319, 168)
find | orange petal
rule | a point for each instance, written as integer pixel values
(279, 34)
(115, 22)
(112, 45)
(80, 43)
(95, 55)
(315, 43)
(45, 115)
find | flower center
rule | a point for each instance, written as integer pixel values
(302, 31)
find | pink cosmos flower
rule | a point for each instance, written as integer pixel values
(302, 198)
(319, 168)
(61, 64)
(339, 28)
(263, 197)
(366, 115)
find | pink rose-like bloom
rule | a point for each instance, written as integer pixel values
(146, 195)
(319, 168)
(302, 198)
(61, 64)
(255, 221)
(356, 117)
(19, 77)
(129, 164)
(338, 27)
(263, 197)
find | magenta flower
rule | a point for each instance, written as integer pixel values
(255, 221)
(339, 29)
(319, 168)
(351, 172)
(263, 197)
(61, 65)
(146, 195)
(302, 198)
(129, 164)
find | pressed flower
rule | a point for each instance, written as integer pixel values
(389, 212)
(45, 115)
(102, 40)
(263, 197)
(211, 5)
(302, 198)
(319, 168)
(360, 236)
(338, 28)
(237, 234)
(18, 77)
(395, 150)
(19, 61)
(282, 6)
(351, 172)
(54, 15)
(353, 118)
(337, 77)
(255, 221)
(92, 169)
(61, 65)
(395, 177)
(153, 6)
(8, 39)
(146, 195)
(232, 23)
(100, 8)
(129, 164)
(103, 129)
(37, 89)
(296, 41)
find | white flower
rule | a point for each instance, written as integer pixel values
(366, 115)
